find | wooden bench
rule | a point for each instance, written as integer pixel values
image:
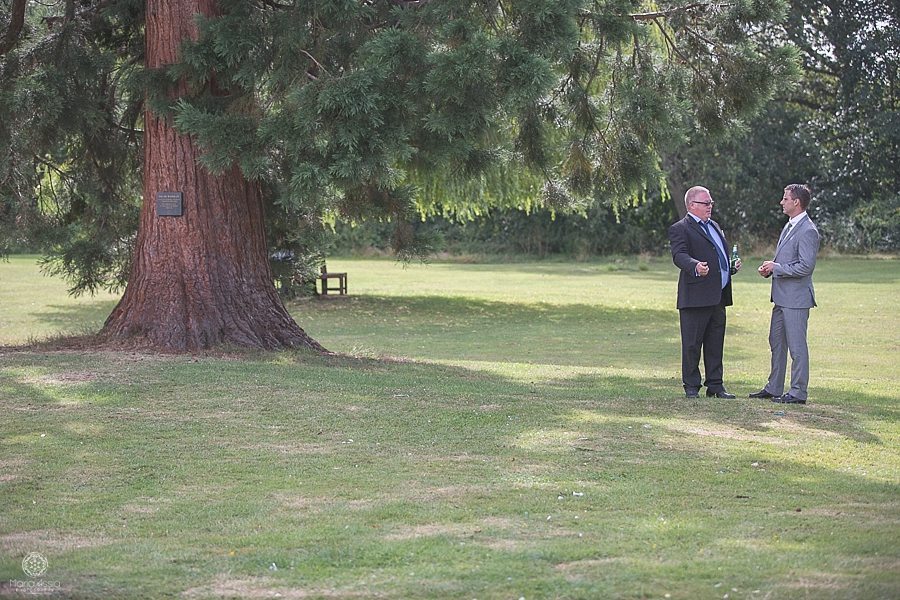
(341, 278)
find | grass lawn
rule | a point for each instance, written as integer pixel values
(488, 431)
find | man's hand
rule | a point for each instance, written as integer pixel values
(737, 265)
(767, 268)
(702, 269)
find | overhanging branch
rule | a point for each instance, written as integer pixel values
(410, 3)
(14, 30)
(664, 14)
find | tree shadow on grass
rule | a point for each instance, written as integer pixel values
(841, 415)
(830, 270)
(438, 328)
(82, 316)
(857, 271)
(434, 445)
(239, 387)
(629, 268)
(442, 328)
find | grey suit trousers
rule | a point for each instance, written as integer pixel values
(787, 333)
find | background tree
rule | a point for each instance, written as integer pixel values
(851, 87)
(334, 108)
(837, 127)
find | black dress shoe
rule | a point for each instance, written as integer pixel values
(691, 393)
(763, 393)
(788, 399)
(720, 394)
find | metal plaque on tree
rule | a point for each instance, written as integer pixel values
(169, 204)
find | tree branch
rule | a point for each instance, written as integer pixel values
(273, 4)
(804, 102)
(652, 16)
(14, 30)
(826, 65)
(671, 44)
(317, 63)
(410, 3)
(71, 13)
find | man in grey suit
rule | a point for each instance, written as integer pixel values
(792, 294)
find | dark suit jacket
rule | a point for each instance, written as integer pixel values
(690, 246)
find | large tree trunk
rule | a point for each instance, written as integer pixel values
(202, 279)
(673, 166)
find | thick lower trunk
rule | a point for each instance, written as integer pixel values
(201, 279)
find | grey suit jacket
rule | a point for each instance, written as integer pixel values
(792, 285)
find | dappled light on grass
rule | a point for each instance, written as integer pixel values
(410, 467)
(500, 442)
(552, 374)
(34, 306)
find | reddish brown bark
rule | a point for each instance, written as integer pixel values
(202, 279)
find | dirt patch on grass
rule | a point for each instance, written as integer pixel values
(884, 513)
(433, 530)
(64, 378)
(319, 504)
(48, 542)
(521, 543)
(492, 525)
(108, 367)
(462, 457)
(525, 535)
(293, 448)
(10, 468)
(144, 505)
(261, 587)
(131, 349)
(726, 432)
(577, 568)
(428, 493)
(797, 428)
(505, 544)
(587, 569)
(810, 582)
(589, 564)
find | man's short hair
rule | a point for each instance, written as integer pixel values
(692, 193)
(800, 192)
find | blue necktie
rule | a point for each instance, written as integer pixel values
(723, 262)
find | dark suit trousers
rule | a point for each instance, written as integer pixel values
(702, 331)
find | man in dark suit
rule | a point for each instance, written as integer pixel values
(793, 295)
(699, 249)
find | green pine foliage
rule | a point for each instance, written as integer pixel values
(386, 109)
(69, 141)
(513, 234)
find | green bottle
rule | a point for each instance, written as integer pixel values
(734, 258)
